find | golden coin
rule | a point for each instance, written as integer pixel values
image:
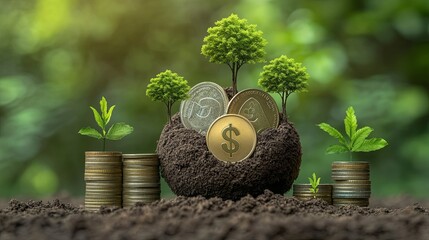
(141, 168)
(140, 156)
(140, 184)
(101, 184)
(140, 172)
(360, 182)
(103, 177)
(350, 165)
(231, 138)
(257, 106)
(141, 164)
(102, 171)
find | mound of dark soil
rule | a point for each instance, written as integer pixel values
(268, 216)
(191, 170)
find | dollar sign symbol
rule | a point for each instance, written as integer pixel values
(232, 146)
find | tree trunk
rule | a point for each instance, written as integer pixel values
(284, 99)
(169, 105)
(234, 78)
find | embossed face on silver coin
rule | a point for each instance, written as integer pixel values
(206, 103)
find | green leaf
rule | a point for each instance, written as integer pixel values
(350, 122)
(103, 108)
(333, 132)
(372, 144)
(119, 130)
(337, 149)
(312, 190)
(234, 40)
(91, 132)
(311, 181)
(98, 118)
(109, 114)
(360, 136)
(318, 182)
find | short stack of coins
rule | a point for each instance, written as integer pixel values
(352, 183)
(103, 177)
(141, 181)
(303, 192)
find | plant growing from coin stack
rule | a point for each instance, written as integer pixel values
(352, 178)
(168, 87)
(314, 183)
(284, 76)
(116, 132)
(235, 42)
(103, 170)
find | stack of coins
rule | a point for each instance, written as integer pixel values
(352, 183)
(302, 192)
(103, 177)
(141, 182)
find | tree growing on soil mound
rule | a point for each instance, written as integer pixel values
(284, 76)
(235, 42)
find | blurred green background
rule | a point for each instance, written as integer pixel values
(59, 57)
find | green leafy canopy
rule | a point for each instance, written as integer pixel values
(284, 76)
(167, 87)
(116, 132)
(234, 40)
(314, 182)
(357, 139)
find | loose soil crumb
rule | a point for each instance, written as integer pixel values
(268, 216)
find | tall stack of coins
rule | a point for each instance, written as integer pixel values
(302, 192)
(103, 177)
(141, 181)
(352, 183)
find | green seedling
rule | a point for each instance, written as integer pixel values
(357, 139)
(235, 42)
(116, 132)
(314, 182)
(284, 76)
(167, 87)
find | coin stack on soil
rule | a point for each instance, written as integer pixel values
(302, 192)
(352, 183)
(141, 182)
(103, 177)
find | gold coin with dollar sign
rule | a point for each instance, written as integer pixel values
(231, 138)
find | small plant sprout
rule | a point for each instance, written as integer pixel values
(314, 182)
(168, 87)
(116, 132)
(357, 140)
(235, 42)
(284, 76)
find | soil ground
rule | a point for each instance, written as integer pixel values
(268, 216)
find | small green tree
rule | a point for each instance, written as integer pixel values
(235, 42)
(168, 87)
(116, 132)
(284, 76)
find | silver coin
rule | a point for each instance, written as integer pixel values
(206, 103)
